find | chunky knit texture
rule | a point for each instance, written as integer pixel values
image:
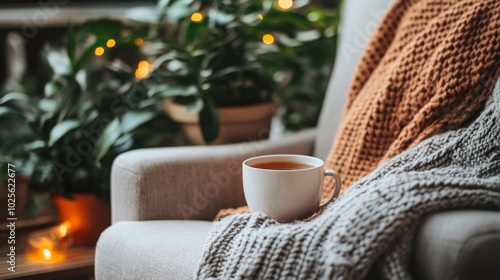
(372, 225)
(428, 68)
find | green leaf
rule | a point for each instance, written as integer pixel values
(193, 31)
(226, 71)
(209, 120)
(5, 110)
(220, 17)
(123, 143)
(35, 145)
(196, 106)
(108, 138)
(169, 91)
(132, 120)
(47, 105)
(52, 87)
(59, 62)
(86, 55)
(14, 96)
(70, 43)
(103, 28)
(142, 14)
(162, 5)
(162, 59)
(178, 10)
(309, 35)
(61, 129)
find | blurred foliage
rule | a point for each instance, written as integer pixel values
(91, 110)
(95, 106)
(209, 54)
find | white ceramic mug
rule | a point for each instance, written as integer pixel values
(287, 195)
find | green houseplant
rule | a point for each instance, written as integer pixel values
(209, 55)
(93, 108)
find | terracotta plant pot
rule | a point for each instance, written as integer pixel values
(236, 124)
(87, 214)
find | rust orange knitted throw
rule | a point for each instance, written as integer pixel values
(428, 68)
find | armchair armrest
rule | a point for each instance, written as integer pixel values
(461, 244)
(189, 182)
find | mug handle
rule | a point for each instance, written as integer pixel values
(338, 185)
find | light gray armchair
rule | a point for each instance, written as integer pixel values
(163, 200)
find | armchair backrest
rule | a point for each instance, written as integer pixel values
(359, 19)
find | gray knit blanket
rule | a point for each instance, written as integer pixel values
(372, 224)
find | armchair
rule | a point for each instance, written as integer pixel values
(163, 199)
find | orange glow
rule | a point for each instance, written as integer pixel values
(63, 229)
(196, 17)
(144, 63)
(110, 43)
(143, 69)
(268, 39)
(285, 4)
(99, 51)
(43, 242)
(47, 254)
(139, 41)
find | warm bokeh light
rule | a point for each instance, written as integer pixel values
(285, 4)
(143, 69)
(143, 63)
(196, 17)
(260, 16)
(139, 41)
(47, 254)
(42, 242)
(63, 229)
(268, 39)
(99, 51)
(110, 43)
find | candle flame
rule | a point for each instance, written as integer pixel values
(64, 228)
(47, 254)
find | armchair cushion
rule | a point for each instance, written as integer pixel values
(150, 250)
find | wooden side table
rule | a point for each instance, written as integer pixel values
(77, 263)
(74, 263)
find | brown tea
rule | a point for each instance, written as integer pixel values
(281, 165)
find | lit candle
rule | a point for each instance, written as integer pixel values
(64, 229)
(47, 254)
(48, 242)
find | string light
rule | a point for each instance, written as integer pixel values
(196, 17)
(139, 41)
(110, 43)
(268, 39)
(143, 69)
(285, 4)
(260, 16)
(99, 51)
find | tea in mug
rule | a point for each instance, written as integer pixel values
(281, 165)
